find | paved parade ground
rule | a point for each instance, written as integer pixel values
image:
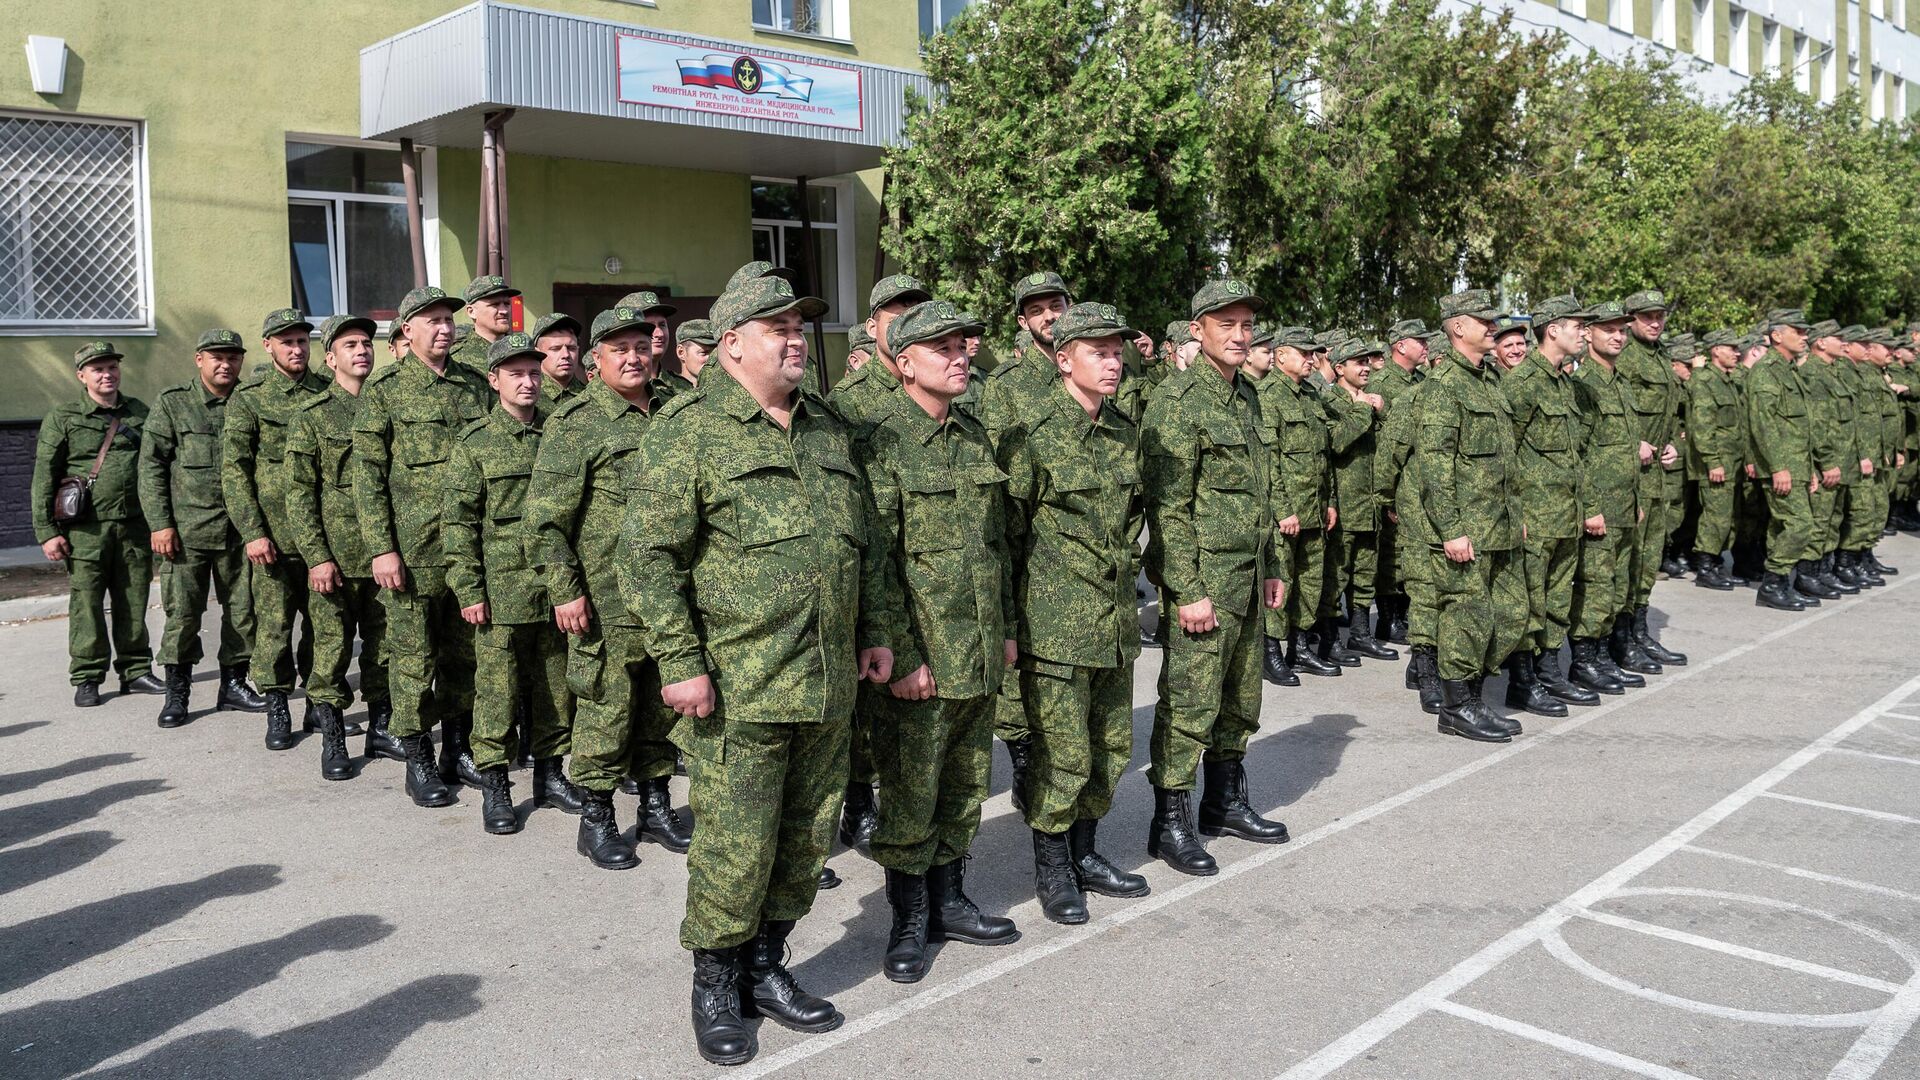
(1717, 876)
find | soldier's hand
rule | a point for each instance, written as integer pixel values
(1198, 617)
(475, 614)
(1144, 344)
(915, 687)
(1393, 516)
(1717, 475)
(1333, 518)
(1830, 477)
(1753, 471)
(1782, 482)
(56, 549)
(1290, 526)
(1646, 452)
(573, 616)
(261, 552)
(1459, 549)
(389, 572)
(1374, 400)
(1595, 525)
(1010, 652)
(1866, 466)
(325, 578)
(1273, 593)
(165, 543)
(1669, 455)
(876, 664)
(690, 697)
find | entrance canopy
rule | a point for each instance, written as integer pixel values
(574, 85)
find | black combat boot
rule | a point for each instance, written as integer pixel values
(827, 879)
(350, 727)
(1707, 573)
(1326, 645)
(523, 728)
(173, 711)
(1427, 680)
(1587, 670)
(1626, 652)
(1092, 870)
(1412, 678)
(456, 753)
(658, 819)
(279, 721)
(719, 1032)
(1225, 811)
(1808, 582)
(859, 817)
(144, 683)
(906, 960)
(954, 917)
(1361, 640)
(1844, 572)
(552, 788)
(1019, 756)
(1672, 566)
(423, 784)
(1396, 631)
(237, 694)
(771, 990)
(1459, 717)
(335, 762)
(1867, 569)
(1546, 668)
(1643, 637)
(1170, 835)
(1525, 691)
(381, 743)
(1870, 559)
(1798, 587)
(1302, 658)
(1478, 685)
(309, 720)
(86, 695)
(1832, 581)
(1273, 663)
(496, 802)
(600, 839)
(629, 785)
(1054, 882)
(1775, 593)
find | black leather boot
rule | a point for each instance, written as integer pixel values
(552, 788)
(1273, 663)
(719, 1032)
(1361, 640)
(954, 917)
(1054, 882)
(144, 683)
(1808, 582)
(1643, 637)
(1831, 580)
(907, 960)
(1845, 573)
(1301, 657)
(1170, 835)
(1546, 669)
(1019, 756)
(1629, 679)
(173, 711)
(600, 839)
(1478, 686)
(348, 726)
(423, 783)
(1225, 811)
(1525, 692)
(523, 728)
(86, 695)
(1396, 631)
(380, 742)
(1775, 593)
(827, 879)
(335, 762)
(629, 785)
(1326, 645)
(859, 817)
(771, 990)
(658, 819)
(1092, 870)
(1707, 573)
(236, 693)
(1878, 567)
(1672, 566)
(1412, 678)
(1587, 670)
(1626, 652)
(456, 753)
(309, 720)
(1866, 568)
(497, 815)
(1799, 588)
(279, 721)
(1427, 681)
(1459, 717)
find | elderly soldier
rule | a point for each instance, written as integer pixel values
(581, 480)
(403, 435)
(490, 305)
(253, 475)
(517, 651)
(1781, 428)
(1467, 496)
(1295, 427)
(1657, 397)
(1717, 455)
(342, 601)
(1353, 555)
(1404, 368)
(191, 532)
(1547, 475)
(1209, 505)
(563, 377)
(747, 559)
(95, 442)
(1610, 497)
(1074, 467)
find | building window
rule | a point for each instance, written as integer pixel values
(347, 229)
(1877, 96)
(936, 14)
(1620, 15)
(1769, 45)
(817, 18)
(73, 225)
(1737, 56)
(1665, 22)
(779, 239)
(1703, 29)
(1802, 64)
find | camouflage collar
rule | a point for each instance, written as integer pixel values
(921, 424)
(1066, 408)
(208, 397)
(504, 421)
(740, 404)
(118, 408)
(613, 404)
(1537, 358)
(1205, 375)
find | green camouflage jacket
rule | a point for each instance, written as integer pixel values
(402, 450)
(1880, 421)
(472, 354)
(1779, 419)
(489, 550)
(1209, 488)
(668, 385)
(1354, 430)
(1655, 392)
(253, 469)
(1300, 470)
(581, 478)
(1609, 441)
(180, 467)
(859, 396)
(553, 395)
(70, 438)
(1716, 424)
(1392, 382)
(1545, 433)
(1467, 458)
(1832, 411)
(321, 511)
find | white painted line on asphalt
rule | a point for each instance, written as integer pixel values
(1871, 1049)
(1803, 872)
(1564, 1043)
(1396, 1016)
(1877, 815)
(1903, 716)
(1716, 945)
(1877, 757)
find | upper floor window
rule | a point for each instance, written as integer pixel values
(936, 14)
(73, 225)
(347, 230)
(819, 18)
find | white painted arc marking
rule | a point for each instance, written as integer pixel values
(1877, 757)
(1871, 1049)
(1396, 1016)
(1877, 815)
(1903, 716)
(1803, 872)
(1728, 948)
(1567, 1043)
(1013, 962)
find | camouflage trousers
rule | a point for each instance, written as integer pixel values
(1750, 511)
(1713, 533)
(108, 576)
(1827, 507)
(429, 654)
(765, 797)
(280, 597)
(186, 580)
(1602, 581)
(1416, 576)
(1353, 563)
(1386, 581)
(860, 753)
(1083, 739)
(935, 758)
(1483, 611)
(512, 663)
(1551, 565)
(350, 611)
(1683, 511)
(1209, 695)
(1657, 500)
(1790, 528)
(1865, 514)
(620, 725)
(1301, 562)
(1010, 720)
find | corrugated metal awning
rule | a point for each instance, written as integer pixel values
(578, 85)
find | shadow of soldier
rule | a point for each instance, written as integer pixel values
(26, 866)
(14, 783)
(22, 823)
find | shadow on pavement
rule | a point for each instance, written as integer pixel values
(26, 866)
(23, 728)
(13, 783)
(37, 819)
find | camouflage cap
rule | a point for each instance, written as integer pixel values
(1555, 308)
(1717, 338)
(928, 320)
(1645, 300)
(1435, 339)
(396, 330)
(1681, 349)
(904, 287)
(1407, 328)
(281, 320)
(1294, 337)
(756, 269)
(1263, 336)
(1477, 303)
(1039, 283)
(858, 340)
(221, 339)
(335, 325)
(461, 332)
(511, 347)
(424, 297)
(646, 302)
(553, 323)
(94, 350)
(1750, 341)
(1607, 311)
(488, 286)
(1914, 327)
(1357, 349)
(1328, 340)
(974, 317)
(1884, 335)
(762, 298)
(1179, 332)
(1215, 295)
(697, 331)
(1789, 316)
(1854, 334)
(1507, 324)
(615, 319)
(1824, 328)
(1089, 321)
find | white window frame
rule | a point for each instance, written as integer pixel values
(143, 240)
(1666, 22)
(942, 15)
(1620, 15)
(1703, 28)
(1803, 63)
(1739, 48)
(1769, 46)
(838, 22)
(1877, 94)
(429, 180)
(843, 240)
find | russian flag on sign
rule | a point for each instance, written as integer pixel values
(710, 70)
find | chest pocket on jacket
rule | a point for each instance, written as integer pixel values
(273, 438)
(507, 490)
(768, 506)
(335, 452)
(1226, 463)
(930, 511)
(198, 450)
(615, 472)
(1305, 436)
(420, 437)
(1480, 429)
(1072, 503)
(1548, 432)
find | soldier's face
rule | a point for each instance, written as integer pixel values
(937, 368)
(219, 368)
(494, 314)
(1512, 347)
(1856, 350)
(770, 352)
(1186, 352)
(1410, 352)
(1682, 370)
(625, 360)
(560, 355)
(1790, 340)
(1879, 355)
(289, 351)
(430, 333)
(1039, 313)
(658, 343)
(1724, 357)
(1094, 365)
(517, 382)
(1259, 360)
(1225, 335)
(1753, 355)
(1471, 333)
(693, 357)
(1608, 338)
(1648, 325)
(973, 346)
(100, 377)
(351, 355)
(1354, 372)
(1292, 363)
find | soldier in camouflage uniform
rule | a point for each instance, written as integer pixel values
(186, 510)
(1657, 400)
(1353, 555)
(564, 375)
(1781, 431)
(694, 341)
(1831, 411)
(1879, 430)
(107, 549)
(657, 313)
(1403, 369)
(253, 475)
(1716, 454)
(1209, 495)
(1750, 496)
(1296, 432)
(1610, 503)
(1468, 499)
(747, 557)
(1397, 464)
(1683, 507)
(489, 300)
(342, 600)
(403, 435)
(859, 348)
